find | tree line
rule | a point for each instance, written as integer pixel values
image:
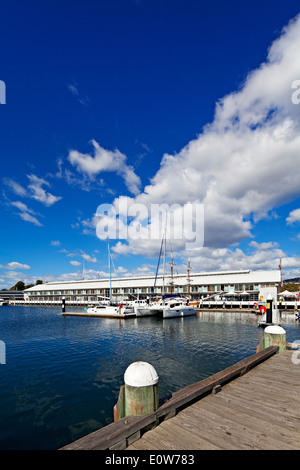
(20, 285)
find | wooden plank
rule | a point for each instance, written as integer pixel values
(121, 430)
(245, 434)
(111, 434)
(199, 389)
(254, 418)
(265, 408)
(255, 428)
(248, 413)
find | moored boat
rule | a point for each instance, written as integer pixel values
(113, 309)
(178, 307)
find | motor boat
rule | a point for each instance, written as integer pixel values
(178, 307)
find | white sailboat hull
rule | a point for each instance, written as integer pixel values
(148, 311)
(180, 311)
(109, 310)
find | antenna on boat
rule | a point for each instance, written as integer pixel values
(109, 267)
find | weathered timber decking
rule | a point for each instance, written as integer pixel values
(126, 431)
(259, 410)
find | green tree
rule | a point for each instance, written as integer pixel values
(18, 286)
(28, 285)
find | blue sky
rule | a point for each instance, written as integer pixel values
(148, 102)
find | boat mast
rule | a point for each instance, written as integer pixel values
(157, 269)
(188, 278)
(109, 267)
(163, 292)
(172, 277)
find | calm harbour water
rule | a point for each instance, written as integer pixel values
(63, 374)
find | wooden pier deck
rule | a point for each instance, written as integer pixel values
(259, 410)
(253, 404)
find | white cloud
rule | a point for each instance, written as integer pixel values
(15, 187)
(26, 213)
(30, 218)
(55, 243)
(73, 88)
(14, 265)
(75, 263)
(36, 191)
(246, 162)
(91, 259)
(103, 161)
(294, 217)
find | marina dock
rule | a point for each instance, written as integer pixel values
(253, 404)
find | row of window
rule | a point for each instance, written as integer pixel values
(149, 290)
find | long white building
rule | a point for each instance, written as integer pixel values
(258, 284)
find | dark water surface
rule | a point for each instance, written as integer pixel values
(63, 374)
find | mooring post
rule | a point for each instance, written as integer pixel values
(269, 309)
(275, 335)
(141, 389)
(139, 396)
(63, 304)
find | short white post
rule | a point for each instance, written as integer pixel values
(275, 335)
(141, 389)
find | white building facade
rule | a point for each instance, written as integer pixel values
(258, 284)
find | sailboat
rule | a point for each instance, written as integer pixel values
(168, 307)
(111, 309)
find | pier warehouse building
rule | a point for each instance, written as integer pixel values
(255, 285)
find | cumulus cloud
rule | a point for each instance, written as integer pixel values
(75, 263)
(246, 161)
(105, 160)
(294, 217)
(36, 191)
(14, 265)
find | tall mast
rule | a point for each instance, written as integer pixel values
(110, 294)
(163, 293)
(188, 278)
(280, 267)
(172, 277)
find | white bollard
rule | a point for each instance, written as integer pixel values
(141, 389)
(275, 335)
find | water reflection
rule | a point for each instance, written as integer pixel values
(63, 374)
